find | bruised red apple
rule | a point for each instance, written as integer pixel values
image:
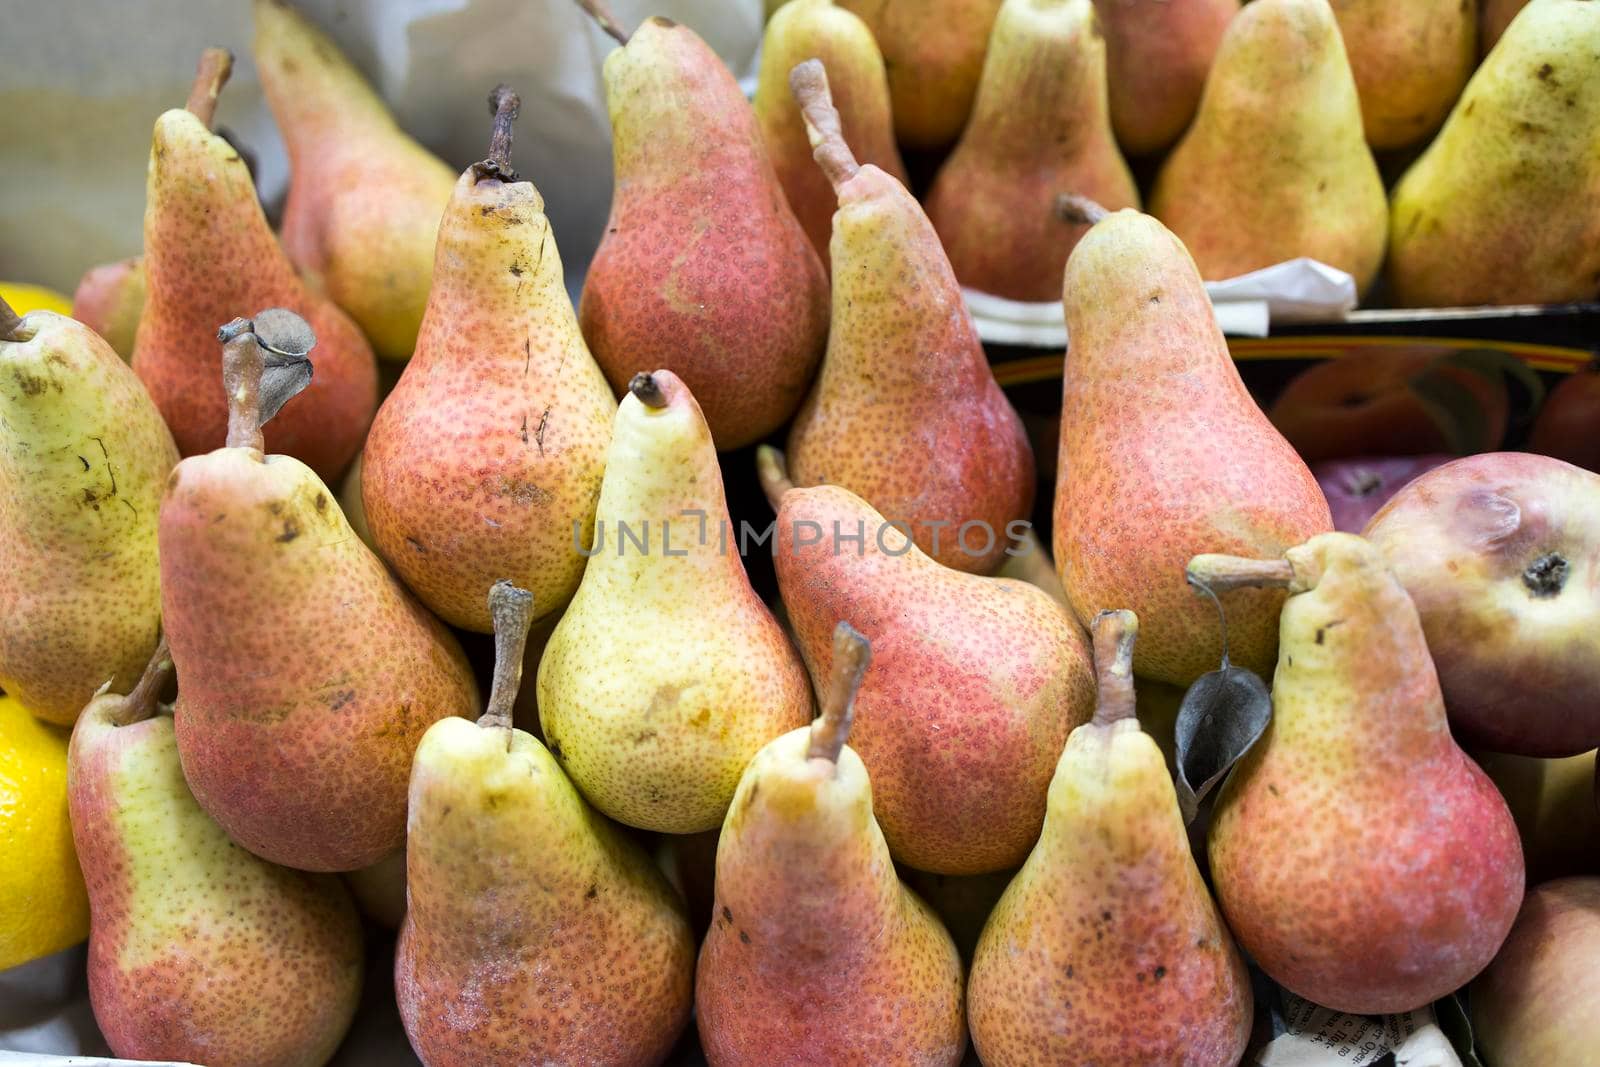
(1501, 555)
(1401, 401)
(1357, 488)
(1568, 426)
(1538, 1003)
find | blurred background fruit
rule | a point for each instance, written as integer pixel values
(24, 298)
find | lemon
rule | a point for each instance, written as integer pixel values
(24, 298)
(43, 905)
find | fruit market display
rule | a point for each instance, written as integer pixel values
(298, 659)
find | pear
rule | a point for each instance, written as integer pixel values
(364, 198)
(110, 299)
(1535, 1003)
(1553, 803)
(82, 459)
(978, 680)
(208, 252)
(1362, 860)
(934, 53)
(906, 412)
(1040, 127)
(703, 267)
(485, 460)
(1276, 165)
(1410, 61)
(1158, 53)
(1493, 18)
(1106, 947)
(667, 673)
(379, 891)
(1501, 208)
(1163, 454)
(308, 672)
(817, 952)
(821, 29)
(536, 932)
(198, 951)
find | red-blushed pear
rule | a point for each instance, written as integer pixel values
(822, 30)
(817, 952)
(364, 198)
(536, 932)
(1157, 55)
(83, 456)
(1501, 554)
(208, 252)
(1410, 61)
(1164, 454)
(977, 681)
(1040, 128)
(703, 268)
(485, 460)
(308, 673)
(110, 299)
(198, 951)
(1361, 858)
(906, 413)
(1536, 1002)
(1107, 947)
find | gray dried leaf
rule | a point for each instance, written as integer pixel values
(285, 339)
(1221, 716)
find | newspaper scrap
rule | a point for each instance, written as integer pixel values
(1320, 1037)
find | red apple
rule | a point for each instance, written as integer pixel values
(1568, 426)
(1357, 488)
(1501, 555)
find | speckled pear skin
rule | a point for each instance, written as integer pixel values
(364, 198)
(109, 300)
(667, 673)
(821, 29)
(906, 412)
(1040, 127)
(703, 268)
(209, 256)
(307, 673)
(1157, 55)
(199, 951)
(537, 933)
(1410, 61)
(490, 449)
(1276, 164)
(975, 682)
(1107, 947)
(1504, 206)
(83, 456)
(1164, 454)
(1361, 858)
(817, 953)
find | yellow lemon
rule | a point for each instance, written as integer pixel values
(24, 298)
(43, 906)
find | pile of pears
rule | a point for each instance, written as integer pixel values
(477, 658)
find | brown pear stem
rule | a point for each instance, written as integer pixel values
(512, 611)
(852, 653)
(1079, 210)
(1220, 573)
(505, 105)
(1114, 635)
(10, 323)
(242, 364)
(140, 704)
(601, 13)
(809, 83)
(648, 390)
(773, 469)
(215, 66)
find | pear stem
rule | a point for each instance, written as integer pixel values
(648, 390)
(808, 82)
(1079, 210)
(242, 364)
(1220, 573)
(772, 467)
(505, 105)
(852, 653)
(140, 704)
(1114, 635)
(601, 13)
(10, 323)
(216, 64)
(512, 610)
